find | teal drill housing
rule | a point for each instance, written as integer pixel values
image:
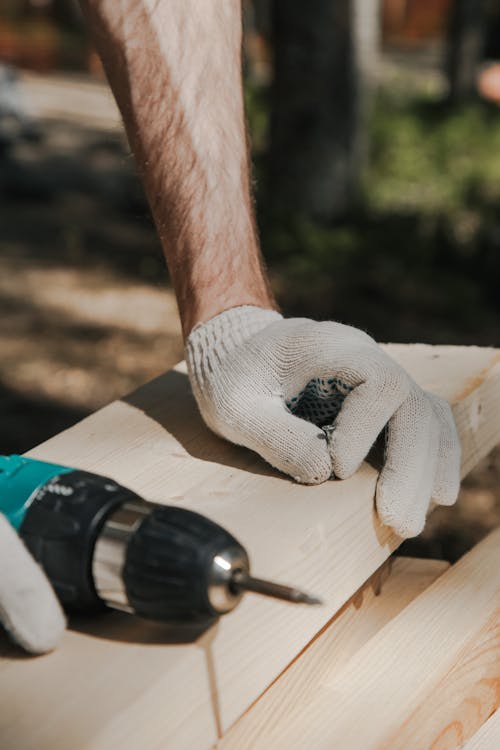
(20, 478)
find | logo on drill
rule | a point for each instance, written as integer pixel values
(59, 489)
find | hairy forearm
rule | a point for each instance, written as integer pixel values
(175, 70)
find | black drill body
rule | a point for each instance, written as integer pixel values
(100, 544)
(165, 560)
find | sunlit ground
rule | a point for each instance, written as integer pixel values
(82, 336)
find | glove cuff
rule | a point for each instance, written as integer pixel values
(225, 332)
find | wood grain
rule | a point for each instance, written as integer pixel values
(488, 737)
(325, 538)
(380, 599)
(463, 699)
(426, 681)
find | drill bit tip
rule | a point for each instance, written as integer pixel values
(301, 597)
(244, 581)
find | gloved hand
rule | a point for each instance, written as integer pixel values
(268, 383)
(29, 610)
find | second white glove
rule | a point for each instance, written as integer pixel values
(29, 609)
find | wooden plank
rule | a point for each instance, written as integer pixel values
(380, 599)
(488, 737)
(325, 538)
(464, 698)
(113, 685)
(428, 679)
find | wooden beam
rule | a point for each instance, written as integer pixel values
(325, 538)
(380, 599)
(488, 737)
(428, 679)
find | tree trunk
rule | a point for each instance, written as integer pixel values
(465, 48)
(324, 59)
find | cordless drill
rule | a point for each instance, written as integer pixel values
(101, 544)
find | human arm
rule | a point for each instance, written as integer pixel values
(174, 66)
(175, 70)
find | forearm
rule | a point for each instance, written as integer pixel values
(175, 70)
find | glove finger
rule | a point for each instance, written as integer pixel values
(447, 483)
(29, 609)
(364, 413)
(405, 485)
(288, 443)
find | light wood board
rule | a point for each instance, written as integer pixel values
(325, 538)
(488, 737)
(428, 679)
(380, 599)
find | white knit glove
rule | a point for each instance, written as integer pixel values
(267, 383)
(29, 610)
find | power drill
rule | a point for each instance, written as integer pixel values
(101, 544)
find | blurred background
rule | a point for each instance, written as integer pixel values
(375, 128)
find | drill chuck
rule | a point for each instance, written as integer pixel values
(166, 563)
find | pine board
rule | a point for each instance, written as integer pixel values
(427, 680)
(488, 737)
(325, 538)
(381, 598)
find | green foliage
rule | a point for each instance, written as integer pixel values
(428, 158)
(257, 113)
(419, 258)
